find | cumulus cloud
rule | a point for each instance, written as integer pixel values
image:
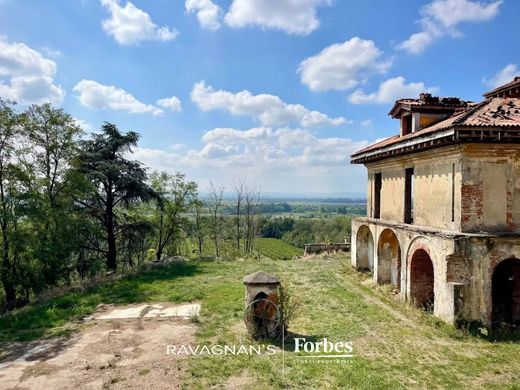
(389, 91)
(208, 13)
(342, 66)
(172, 103)
(130, 25)
(26, 75)
(296, 17)
(286, 158)
(503, 76)
(95, 95)
(441, 17)
(270, 110)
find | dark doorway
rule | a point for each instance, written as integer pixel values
(506, 293)
(422, 280)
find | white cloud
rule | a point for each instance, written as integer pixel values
(286, 159)
(208, 13)
(84, 125)
(130, 25)
(173, 103)
(389, 91)
(503, 76)
(26, 76)
(49, 51)
(95, 95)
(270, 110)
(367, 123)
(177, 146)
(441, 17)
(342, 65)
(296, 17)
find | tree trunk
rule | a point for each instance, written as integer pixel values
(111, 237)
(111, 252)
(9, 287)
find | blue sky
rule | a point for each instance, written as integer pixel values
(280, 92)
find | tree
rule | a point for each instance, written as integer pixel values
(240, 188)
(53, 136)
(251, 203)
(113, 182)
(176, 197)
(199, 224)
(215, 202)
(9, 124)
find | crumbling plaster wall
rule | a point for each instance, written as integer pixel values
(410, 240)
(490, 188)
(433, 198)
(482, 255)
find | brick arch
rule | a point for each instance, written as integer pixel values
(505, 292)
(389, 258)
(364, 248)
(421, 273)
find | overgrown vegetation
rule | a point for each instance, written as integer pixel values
(395, 346)
(299, 232)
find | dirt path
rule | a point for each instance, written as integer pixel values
(107, 353)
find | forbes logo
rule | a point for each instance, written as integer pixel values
(324, 348)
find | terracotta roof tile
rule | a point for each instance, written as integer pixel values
(503, 88)
(492, 113)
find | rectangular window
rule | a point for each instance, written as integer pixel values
(377, 195)
(408, 196)
(406, 124)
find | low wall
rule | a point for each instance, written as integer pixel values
(314, 249)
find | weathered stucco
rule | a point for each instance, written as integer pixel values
(466, 217)
(490, 188)
(443, 207)
(433, 198)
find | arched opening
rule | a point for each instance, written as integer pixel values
(506, 293)
(364, 249)
(422, 280)
(389, 259)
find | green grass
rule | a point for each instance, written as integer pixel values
(395, 346)
(268, 247)
(277, 249)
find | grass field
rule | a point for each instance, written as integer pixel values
(277, 249)
(395, 345)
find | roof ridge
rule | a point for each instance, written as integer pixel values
(468, 112)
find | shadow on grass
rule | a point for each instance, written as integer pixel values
(50, 317)
(288, 343)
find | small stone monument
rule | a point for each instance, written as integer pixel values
(262, 316)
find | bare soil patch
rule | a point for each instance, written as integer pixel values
(120, 353)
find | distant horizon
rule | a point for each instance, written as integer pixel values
(281, 95)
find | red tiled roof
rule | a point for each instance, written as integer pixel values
(431, 102)
(491, 113)
(503, 88)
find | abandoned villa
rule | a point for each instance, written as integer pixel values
(443, 207)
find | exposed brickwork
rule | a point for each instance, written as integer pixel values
(471, 206)
(510, 221)
(422, 279)
(457, 269)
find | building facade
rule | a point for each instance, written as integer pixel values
(443, 207)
